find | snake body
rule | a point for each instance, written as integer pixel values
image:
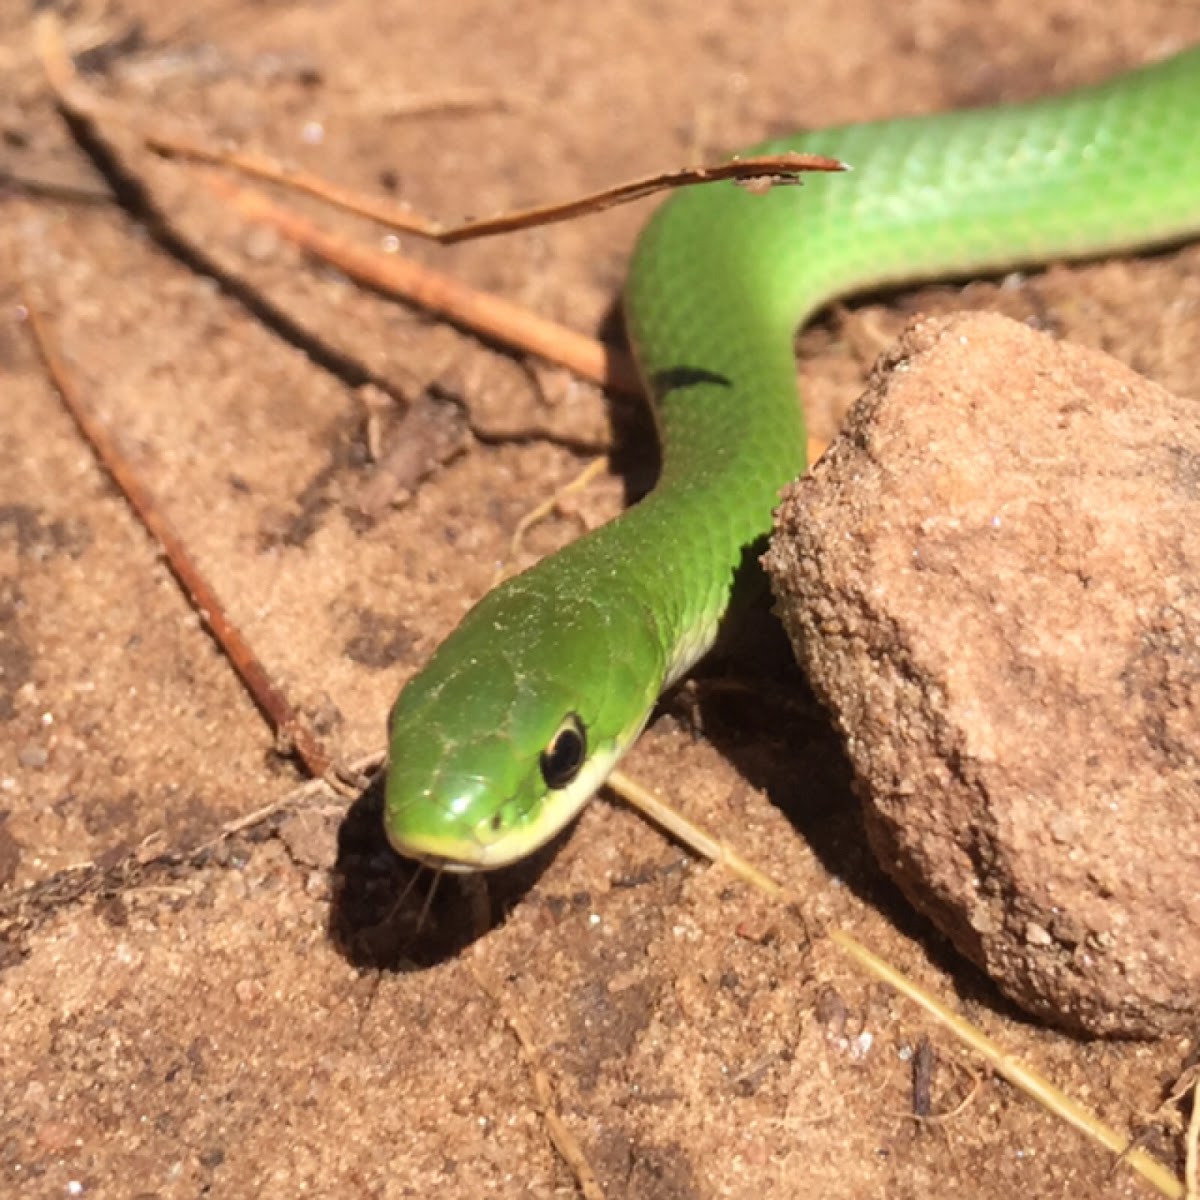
(521, 713)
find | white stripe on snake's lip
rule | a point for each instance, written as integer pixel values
(483, 849)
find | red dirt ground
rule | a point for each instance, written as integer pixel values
(217, 1024)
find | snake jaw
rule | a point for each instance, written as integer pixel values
(438, 832)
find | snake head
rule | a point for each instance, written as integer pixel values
(514, 723)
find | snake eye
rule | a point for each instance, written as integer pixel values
(564, 756)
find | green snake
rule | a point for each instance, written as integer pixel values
(522, 712)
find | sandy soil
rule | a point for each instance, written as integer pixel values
(246, 1021)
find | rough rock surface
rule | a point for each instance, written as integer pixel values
(993, 581)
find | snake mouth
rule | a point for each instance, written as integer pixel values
(440, 863)
(450, 855)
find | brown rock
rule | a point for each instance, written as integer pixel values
(993, 581)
